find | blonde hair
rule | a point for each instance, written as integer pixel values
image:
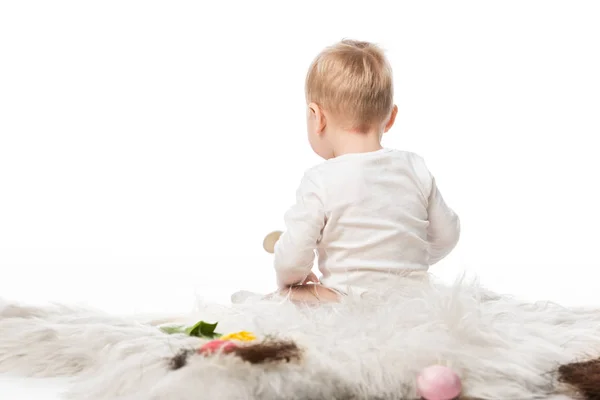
(353, 81)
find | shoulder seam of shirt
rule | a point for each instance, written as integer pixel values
(420, 167)
(314, 175)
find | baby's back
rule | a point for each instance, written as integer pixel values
(376, 207)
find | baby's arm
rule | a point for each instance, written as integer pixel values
(295, 249)
(444, 226)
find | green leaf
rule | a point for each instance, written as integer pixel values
(203, 329)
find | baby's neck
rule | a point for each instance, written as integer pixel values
(357, 142)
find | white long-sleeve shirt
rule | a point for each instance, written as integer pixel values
(365, 214)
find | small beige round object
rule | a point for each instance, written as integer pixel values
(270, 240)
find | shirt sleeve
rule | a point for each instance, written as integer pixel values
(444, 226)
(304, 222)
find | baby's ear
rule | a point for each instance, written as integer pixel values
(392, 119)
(319, 116)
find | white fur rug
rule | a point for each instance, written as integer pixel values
(370, 349)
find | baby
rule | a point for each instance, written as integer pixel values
(372, 214)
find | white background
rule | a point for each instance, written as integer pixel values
(147, 147)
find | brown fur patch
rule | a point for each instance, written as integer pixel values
(179, 360)
(584, 377)
(269, 350)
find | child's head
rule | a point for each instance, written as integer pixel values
(349, 92)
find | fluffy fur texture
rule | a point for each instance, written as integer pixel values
(371, 349)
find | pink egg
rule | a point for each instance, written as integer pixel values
(215, 345)
(438, 383)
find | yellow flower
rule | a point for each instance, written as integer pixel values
(242, 336)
